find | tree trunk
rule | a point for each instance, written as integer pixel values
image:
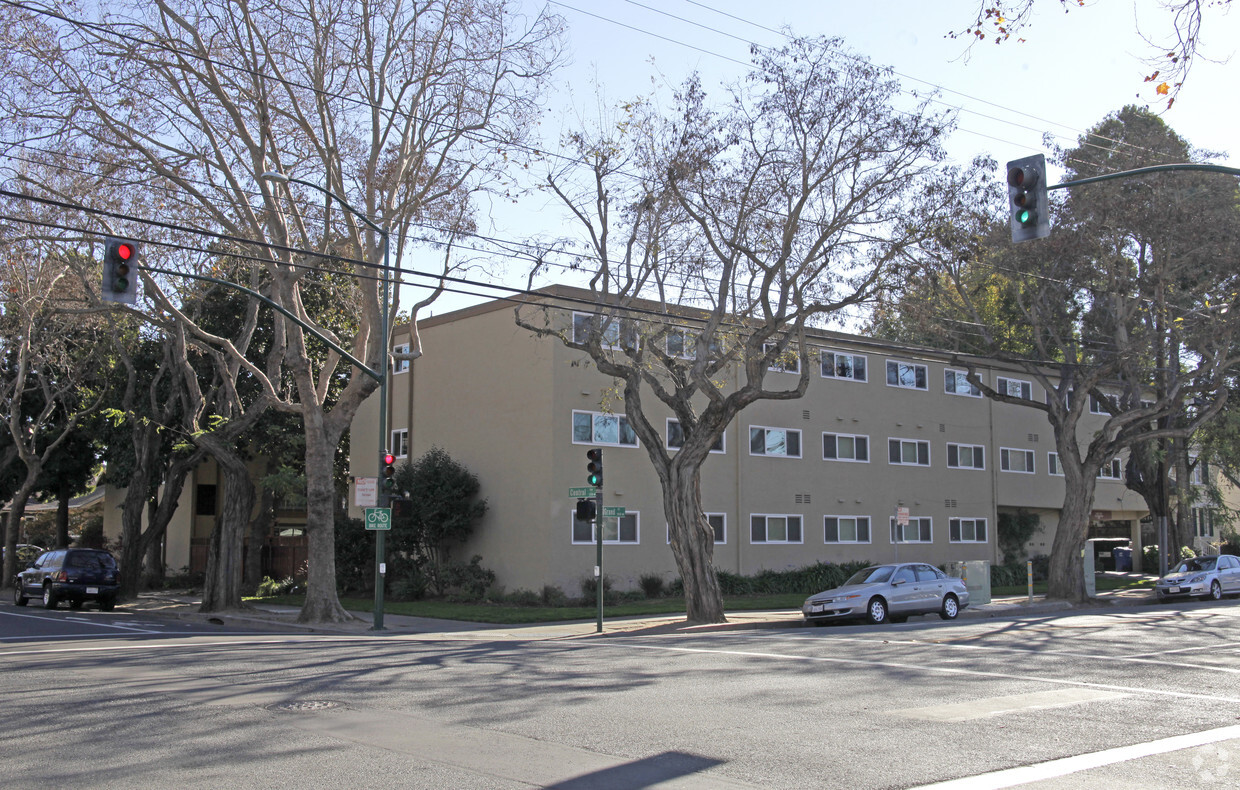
(12, 526)
(260, 528)
(63, 495)
(153, 565)
(222, 586)
(322, 603)
(693, 544)
(1067, 572)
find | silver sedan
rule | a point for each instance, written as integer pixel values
(894, 592)
(1202, 577)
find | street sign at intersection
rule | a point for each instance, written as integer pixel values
(582, 492)
(378, 518)
(613, 512)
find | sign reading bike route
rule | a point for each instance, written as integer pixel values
(378, 518)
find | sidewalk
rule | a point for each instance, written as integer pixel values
(284, 618)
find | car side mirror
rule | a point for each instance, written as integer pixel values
(897, 582)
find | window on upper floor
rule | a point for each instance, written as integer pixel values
(591, 427)
(618, 333)
(966, 456)
(1099, 406)
(919, 529)
(615, 530)
(1015, 460)
(1200, 471)
(846, 529)
(400, 443)
(1014, 388)
(908, 375)
(908, 452)
(1052, 464)
(679, 343)
(966, 530)
(845, 447)
(781, 442)
(956, 382)
(676, 437)
(838, 365)
(774, 528)
(1112, 470)
(787, 362)
(400, 365)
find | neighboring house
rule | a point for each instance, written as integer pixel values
(794, 482)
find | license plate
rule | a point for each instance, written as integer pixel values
(92, 590)
(1173, 589)
(817, 607)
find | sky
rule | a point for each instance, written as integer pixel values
(1071, 70)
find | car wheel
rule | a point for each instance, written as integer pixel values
(107, 605)
(1216, 592)
(18, 598)
(876, 612)
(951, 608)
(49, 598)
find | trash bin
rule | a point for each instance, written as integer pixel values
(1123, 559)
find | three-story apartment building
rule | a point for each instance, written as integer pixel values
(791, 482)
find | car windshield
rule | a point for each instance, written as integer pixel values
(878, 573)
(90, 560)
(1196, 564)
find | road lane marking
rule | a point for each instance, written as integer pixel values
(1011, 777)
(922, 668)
(78, 620)
(1010, 703)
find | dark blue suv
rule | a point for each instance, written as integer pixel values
(73, 575)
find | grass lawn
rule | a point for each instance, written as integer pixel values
(1100, 583)
(503, 614)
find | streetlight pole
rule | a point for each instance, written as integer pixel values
(384, 497)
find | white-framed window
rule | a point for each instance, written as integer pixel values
(966, 530)
(617, 334)
(680, 343)
(966, 456)
(838, 365)
(1203, 522)
(1014, 388)
(781, 442)
(846, 447)
(908, 375)
(1199, 471)
(956, 382)
(718, 523)
(400, 443)
(1112, 470)
(787, 362)
(1097, 405)
(1012, 459)
(908, 452)
(676, 437)
(774, 528)
(594, 427)
(919, 529)
(846, 529)
(400, 365)
(1052, 464)
(623, 530)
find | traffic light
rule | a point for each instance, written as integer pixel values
(585, 510)
(595, 467)
(402, 507)
(120, 278)
(389, 472)
(1030, 213)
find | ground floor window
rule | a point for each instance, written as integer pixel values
(615, 530)
(967, 530)
(1203, 522)
(718, 524)
(846, 529)
(917, 530)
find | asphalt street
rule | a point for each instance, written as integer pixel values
(1128, 698)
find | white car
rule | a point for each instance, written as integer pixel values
(1208, 578)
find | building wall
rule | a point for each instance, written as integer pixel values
(501, 402)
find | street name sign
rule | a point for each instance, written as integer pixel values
(613, 512)
(584, 492)
(378, 518)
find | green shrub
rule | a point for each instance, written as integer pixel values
(589, 588)
(411, 585)
(270, 587)
(1186, 553)
(523, 598)
(652, 585)
(466, 581)
(553, 596)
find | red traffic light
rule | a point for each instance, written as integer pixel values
(124, 251)
(389, 459)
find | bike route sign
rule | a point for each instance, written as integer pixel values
(378, 518)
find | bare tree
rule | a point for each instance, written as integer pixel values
(405, 109)
(715, 237)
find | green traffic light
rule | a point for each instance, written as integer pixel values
(594, 480)
(1026, 218)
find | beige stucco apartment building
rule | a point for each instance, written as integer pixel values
(819, 478)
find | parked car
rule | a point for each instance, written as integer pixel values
(73, 575)
(1206, 577)
(894, 592)
(26, 552)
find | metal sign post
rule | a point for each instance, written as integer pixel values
(598, 569)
